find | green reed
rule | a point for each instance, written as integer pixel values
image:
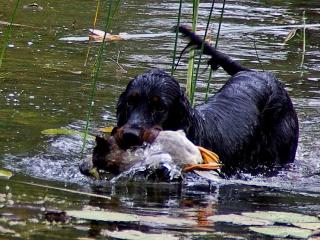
(193, 69)
(204, 39)
(7, 32)
(112, 10)
(176, 39)
(216, 45)
(190, 86)
(94, 27)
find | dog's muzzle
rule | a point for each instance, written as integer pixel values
(131, 136)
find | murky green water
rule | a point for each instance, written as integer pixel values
(43, 84)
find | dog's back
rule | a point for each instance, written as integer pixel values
(250, 122)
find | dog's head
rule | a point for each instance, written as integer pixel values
(151, 99)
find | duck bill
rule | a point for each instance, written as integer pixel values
(87, 169)
(94, 173)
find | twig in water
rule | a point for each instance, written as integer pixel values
(63, 189)
(257, 55)
(120, 68)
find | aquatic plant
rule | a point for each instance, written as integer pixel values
(94, 27)
(216, 45)
(111, 11)
(204, 39)
(7, 32)
(192, 72)
(176, 39)
(190, 87)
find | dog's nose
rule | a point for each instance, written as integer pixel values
(131, 137)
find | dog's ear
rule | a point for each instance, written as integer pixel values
(180, 115)
(122, 117)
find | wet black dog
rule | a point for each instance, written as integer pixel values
(250, 122)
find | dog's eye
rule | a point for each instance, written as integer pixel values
(159, 108)
(132, 100)
(156, 104)
(130, 103)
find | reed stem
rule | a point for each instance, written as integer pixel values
(190, 75)
(216, 46)
(96, 69)
(94, 27)
(8, 31)
(204, 39)
(176, 39)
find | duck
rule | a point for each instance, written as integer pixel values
(168, 152)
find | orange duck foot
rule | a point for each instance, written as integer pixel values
(210, 161)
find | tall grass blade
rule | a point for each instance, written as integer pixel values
(216, 45)
(303, 38)
(94, 27)
(176, 39)
(204, 39)
(7, 33)
(190, 75)
(96, 69)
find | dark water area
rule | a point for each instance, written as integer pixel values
(43, 85)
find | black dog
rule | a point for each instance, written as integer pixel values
(250, 122)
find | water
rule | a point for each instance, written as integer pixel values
(43, 85)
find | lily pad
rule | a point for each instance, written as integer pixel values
(103, 216)
(282, 217)
(136, 235)
(308, 225)
(63, 131)
(240, 220)
(282, 231)
(6, 230)
(165, 220)
(4, 173)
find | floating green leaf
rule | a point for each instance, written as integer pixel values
(103, 216)
(136, 235)
(240, 220)
(63, 131)
(123, 217)
(308, 225)
(4, 173)
(282, 231)
(6, 230)
(282, 217)
(165, 220)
